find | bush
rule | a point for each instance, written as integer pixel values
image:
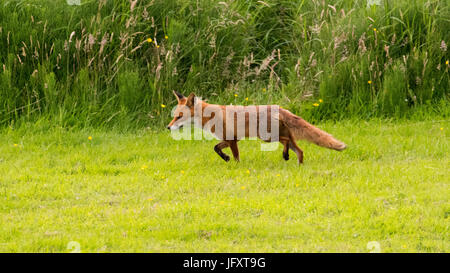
(107, 62)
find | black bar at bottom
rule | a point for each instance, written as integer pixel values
(222, 262)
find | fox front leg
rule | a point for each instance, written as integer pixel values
(234, 149)
(218, 149)
(285, 142)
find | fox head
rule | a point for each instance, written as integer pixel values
(184, 112)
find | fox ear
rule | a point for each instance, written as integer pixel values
(179, 96)
(190, 100)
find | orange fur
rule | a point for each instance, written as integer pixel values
(291, 127)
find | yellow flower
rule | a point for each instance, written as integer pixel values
(442, 129)
(166, 37)
(281, 107)
(149, 40)
(278, 174)
(157, 46)
(182, 172)
(235, 95)
(315, 104)
(222, 202)
(369, 82)
(89, 137)
(163, 106)
(144, 167)
(446, 62)
(264, 90)
(248, 171)
(320, 100)
(163, 177)
(296, 185)
(150, 199)
(374, 29)
(15, 145)
(246, 98)
(243, 188)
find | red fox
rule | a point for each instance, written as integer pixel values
(232, 123)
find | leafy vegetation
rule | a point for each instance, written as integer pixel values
(114, 63)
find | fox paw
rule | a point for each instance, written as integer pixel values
(226, 158)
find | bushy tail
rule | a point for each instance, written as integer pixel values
(302, 130)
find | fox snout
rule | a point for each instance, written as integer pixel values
(175, 127)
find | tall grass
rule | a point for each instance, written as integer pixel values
(109, 63)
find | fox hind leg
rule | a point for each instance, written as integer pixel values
(218, 149)
(297, 150)
(288, 141)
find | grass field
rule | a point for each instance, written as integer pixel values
(144, 191)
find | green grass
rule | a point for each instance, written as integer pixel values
(391, 186)
(135, 189)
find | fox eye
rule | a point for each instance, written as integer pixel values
(179, 117)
